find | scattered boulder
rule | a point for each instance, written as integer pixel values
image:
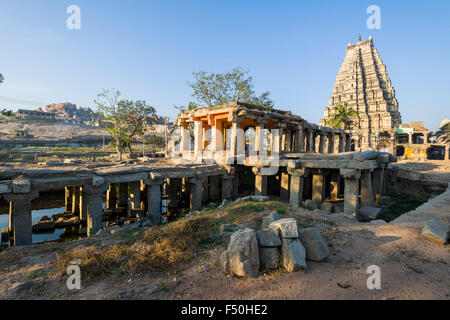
(436, 231)
(286, 228)
(269, 257)
(64, 222)
(293, 255)
(327, 206)
(242, 256)
(260, 198)
(369, 213)
(312, 205)
(316, 248)
(268, 238)
(267, 220)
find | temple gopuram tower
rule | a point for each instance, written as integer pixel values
(363, 83)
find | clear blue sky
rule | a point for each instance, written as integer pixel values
(149, 49)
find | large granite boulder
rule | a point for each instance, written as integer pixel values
(293, 255)
(436, 231)
(286, 228)
(269, 257)
(316, 248)
(242, 256)
(268, 238)
(267, 220)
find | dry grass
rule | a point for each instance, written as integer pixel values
(163, 248)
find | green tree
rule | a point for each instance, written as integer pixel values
(212, 89)
(123, 119)
(343, 117)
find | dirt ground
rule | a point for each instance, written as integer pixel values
(411, 268)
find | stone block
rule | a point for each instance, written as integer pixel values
(436, 231)
(312, 205)
(293, 255)
(267, 220)
(369, 213)
(315, 246)
(21, 185)
(268, 238)
(327, 206)
(286, 228)
(269, 257)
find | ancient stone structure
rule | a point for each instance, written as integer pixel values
(363, 83)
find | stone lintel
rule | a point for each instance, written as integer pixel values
(298, 172)
(21, 185)
(20, 197)
(351, 174)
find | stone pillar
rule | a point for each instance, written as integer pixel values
(276, 141)
(296, 188)
(76, 194)
(217, 141)
(377, 184)
(288, 140)
(185, 141)
(240, 145)
(154, 198)
(123, 195)
(334, 185)
(285, 180)
(341, 147)
(311, 142)
(446, 153)
(259, 138)
(173, 187)
(214, 193)
(319, 184)
(260, 183)
(410, 138)
(111, 196)
(198, 141)
(227, 187)
(68, 198)
(196, 194)
(351, 191)
(300, 139)
(348, 143)
(83, 205)
(366, 189)
(425, 137)
(331, 139)
(322, 142)
(144, 194)
(135, 194)
(94, 196)
(21, 221)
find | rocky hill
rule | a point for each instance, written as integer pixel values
(69, 110)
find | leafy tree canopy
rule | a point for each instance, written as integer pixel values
(212, 89)
(343, 117)
(123, 119)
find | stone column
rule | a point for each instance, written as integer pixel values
(240, 145)
(446, 154)
(144, 194)
(285, 180)
(300, 139)
(296, 189)
(348, 143)
(288, 140)
(341, 147)
(260, 183)
(366, 189)
(76, 194)
(319, 184)
(123, 195)
(196, 194)
(276, 141)
(377, 184)
(410, 138)
(259, 138)
(111, 196)
(310, 143)
(185, 142)
(331, 139)
(21, 221)
(214, 193)
(198, 141)
(217, 141)
(83, 205)
(322, 142)
(135, 194)
(154, 198)
(351, 191)
(94, 197)
(68, 198)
